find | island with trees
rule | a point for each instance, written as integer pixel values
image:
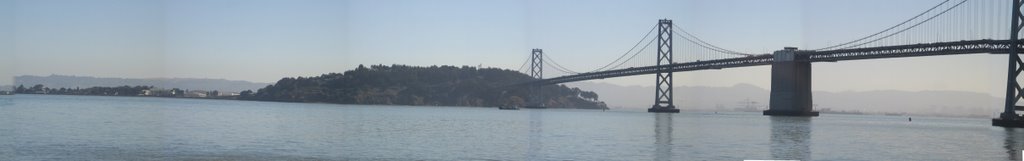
(423, 86)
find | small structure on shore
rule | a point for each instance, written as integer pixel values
(508, 107)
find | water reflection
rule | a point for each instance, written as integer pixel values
(534, 147)
(791, 138)
(1013, 144)
(663, 136)
(6, 101)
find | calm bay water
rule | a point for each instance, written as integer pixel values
(38, 127)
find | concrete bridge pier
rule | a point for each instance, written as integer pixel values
(791, 85)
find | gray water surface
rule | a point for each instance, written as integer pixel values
(40, 127)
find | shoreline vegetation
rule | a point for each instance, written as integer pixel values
(125, 91)
(376, 85)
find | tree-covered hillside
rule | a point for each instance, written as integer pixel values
(434, 86)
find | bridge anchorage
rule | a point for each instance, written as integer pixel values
(791, 84)
(663, 80)
(1009, 117)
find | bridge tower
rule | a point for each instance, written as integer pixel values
(791, 84)
(537, 64)
(663, 80)
(536, 71)
(1009, 117)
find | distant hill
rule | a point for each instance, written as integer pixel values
(933, 103)
(58, 81)
(429, 86)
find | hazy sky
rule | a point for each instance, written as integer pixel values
(265, 40)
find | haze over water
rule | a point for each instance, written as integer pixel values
(42, 127)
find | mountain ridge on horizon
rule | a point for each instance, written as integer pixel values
(72, 81)
(714, 98)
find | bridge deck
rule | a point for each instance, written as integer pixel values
(914, 50)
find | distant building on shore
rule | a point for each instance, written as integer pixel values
(159, 92)
(196, 93)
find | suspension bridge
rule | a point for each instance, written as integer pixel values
(951, 27)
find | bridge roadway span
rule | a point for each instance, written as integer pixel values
(914, 50)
